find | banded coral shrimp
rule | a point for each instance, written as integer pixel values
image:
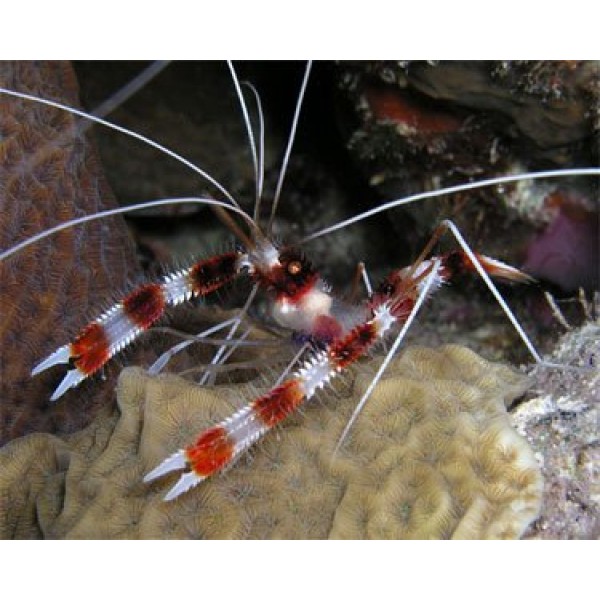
(180, 490)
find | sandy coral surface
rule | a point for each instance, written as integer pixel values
(433, 455)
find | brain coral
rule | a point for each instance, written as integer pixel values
(432, 456)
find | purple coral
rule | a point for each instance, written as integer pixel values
(566, 252)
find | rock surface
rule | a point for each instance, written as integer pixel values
(562, 424)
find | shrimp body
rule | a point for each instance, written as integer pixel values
(339, 333)
(220, 445)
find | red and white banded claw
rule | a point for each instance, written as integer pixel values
(59, 357)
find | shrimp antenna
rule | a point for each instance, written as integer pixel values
(473, 185)
(121, 210)
(261, 150)
(249, 131)
(128, 132)
(289, 146)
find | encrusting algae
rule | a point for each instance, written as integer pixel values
(432, 455)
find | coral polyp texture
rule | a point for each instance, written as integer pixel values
(433, 455)
(49, 173)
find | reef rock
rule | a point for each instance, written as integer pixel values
(423, 125)
(433, 455)
(561, 424)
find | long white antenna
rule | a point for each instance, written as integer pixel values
(289, 146)
(126, 131)
(247, 122)
(261, 150)
(595, 171)
(118, 211)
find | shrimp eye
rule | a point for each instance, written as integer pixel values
(294, 267)
(386, 288)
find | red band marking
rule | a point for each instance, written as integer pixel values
(211, 452)
(90, 349)
(145, 305)
(294, 288)
(402, 308)
(209, 275)
(350, 348)
(292, 278)
(457, 262)
(277, 404)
